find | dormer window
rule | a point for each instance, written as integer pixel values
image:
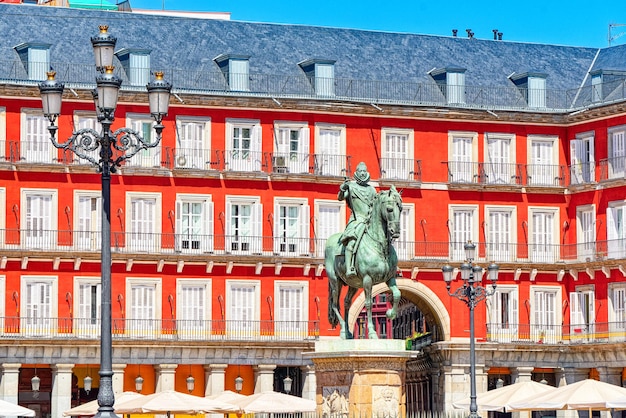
(451, 82)
(36, 59)
(236, 69)
(136, 64)
(532, 85)
(596, 86)
(605, 83)
(321, 74)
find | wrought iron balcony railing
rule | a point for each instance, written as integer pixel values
(158, 329)
(413, 91)
(613, 168)
(601, 332)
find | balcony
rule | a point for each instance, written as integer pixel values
(298, 85)
(401, 169)
(612, 169)
(159, 330)
(489, 174)
(602, 332)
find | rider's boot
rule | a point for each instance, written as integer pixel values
(350, 269)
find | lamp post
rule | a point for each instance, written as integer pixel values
(113, 148)
(471, 292)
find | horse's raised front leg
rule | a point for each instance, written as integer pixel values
(395, 292)
(367, 291)
(347, 302)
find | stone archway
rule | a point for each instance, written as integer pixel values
(417, 293)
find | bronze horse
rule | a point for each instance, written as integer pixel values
(376, 262)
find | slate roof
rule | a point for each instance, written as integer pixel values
(276, 49)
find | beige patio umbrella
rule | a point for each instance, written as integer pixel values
(172, 402)
(499, 399)
(587, 394)
(91, 408)
(8, 409)
(227, 396)
(274, 402)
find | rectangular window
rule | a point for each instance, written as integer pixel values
(617, 310)
(291, 309)
(194, 308)
(193, 145)
(503, 314)
(500, 167)
(582, 169)
(582, 314)
(243, 225)
(149, 157)
(239, 75)
(87, 301)
(616, 229)
(194, 224)
(500, 234)
(328, 221)
(38, 313)
(463, 227)
(143, 307)
(325, 79)
(586, 233)
(330, 144)
(617, 152)
(242, 308)
(139, 69)
(405, 244)
(88, 221)
(462, 167)
(243, 145)
(544, 246)
(542, 168)
(537, 92)
(38, 63)
(39, 229)
(143, 222)
(545, 314)
(397, 159)
(84, 120)
(291, 148)
(455, 87)
(291, 235)
(35, 146)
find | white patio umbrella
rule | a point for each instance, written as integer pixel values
(499, 399)
(91, 408)
(587, 394)
(274, 402)
(172, 402)
(8, 409)
(227, 396)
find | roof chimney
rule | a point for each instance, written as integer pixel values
(499, 36)
(495, 34)
(454, 32)
(470, 34)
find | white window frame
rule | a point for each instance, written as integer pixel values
(41, 150)
(86, 120)
(190, 328)
(546, 333)
(148, 240)
(3, 291)
(462, 168)
(405, 244)
(138, 68)
(500, 331)
(457, 249)
(149, 157)
(245, 244)
(582, 159)
(505, 171)
(243, 159)
(298, 245)
(544, 251)
(3, 134)
(325, 79)
(537, 92)
(321, 231)
(84, 327)
(204, 243)
(582, 314)
(616, 156)
(43, 326)
(239, 74)
(586, 248)
(286, 160)
(238, 328)
(397, 163)
(48, 239)
(616, 235)
(455, 87)
(90, 239)
(3, 213)
(291, 327)
(617, 311)
(194, 152)
(501, 251)
(331, 163)
(538, 173)
(148, 328)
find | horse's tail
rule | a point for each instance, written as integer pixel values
(331, 274)
(332, 316)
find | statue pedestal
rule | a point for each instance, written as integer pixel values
(360, 377)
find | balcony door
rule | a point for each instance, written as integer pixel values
(87, 319)
(37, 310)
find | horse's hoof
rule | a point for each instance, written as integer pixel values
(391, 314)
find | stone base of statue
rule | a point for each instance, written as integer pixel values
(360, 378)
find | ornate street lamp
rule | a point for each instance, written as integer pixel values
(471, 292)
(126, 143)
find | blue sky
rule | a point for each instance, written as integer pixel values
(574, 22)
